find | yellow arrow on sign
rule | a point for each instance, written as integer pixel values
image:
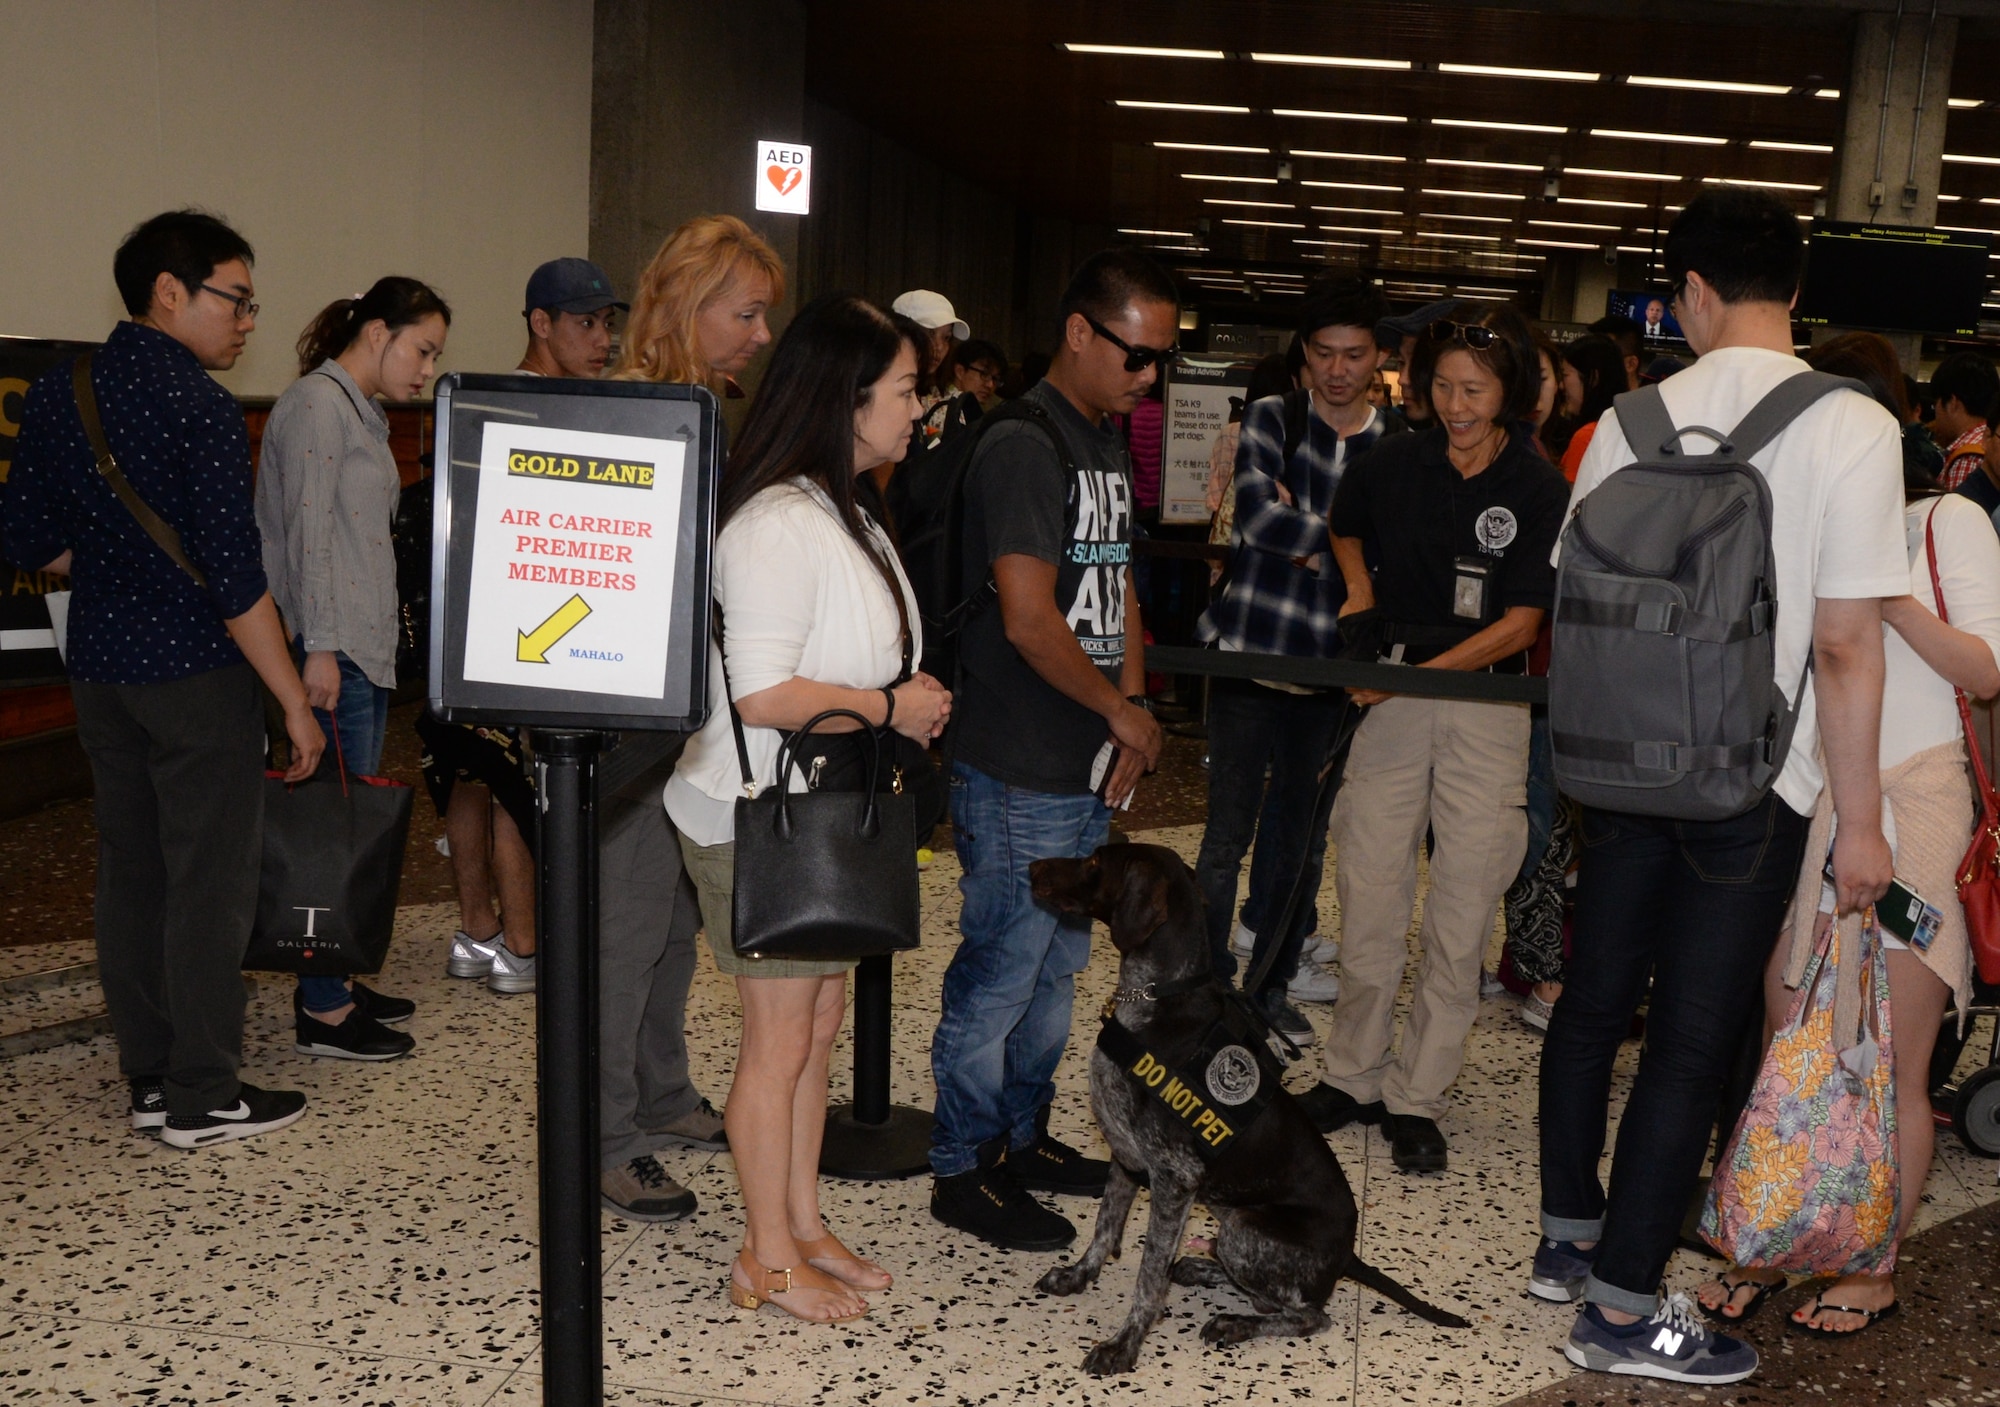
(532, 646)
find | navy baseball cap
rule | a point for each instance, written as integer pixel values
(572, 286)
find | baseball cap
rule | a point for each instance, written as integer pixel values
(1391, 331)
(930, 310)
(572, 286)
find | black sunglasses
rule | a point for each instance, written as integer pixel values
(1136, 358)
(1471, 334)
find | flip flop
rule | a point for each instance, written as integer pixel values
(1868, 1317)
(1750, 1306)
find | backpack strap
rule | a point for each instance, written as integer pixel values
(1642, 415)
(164, 535)
(1786, 402)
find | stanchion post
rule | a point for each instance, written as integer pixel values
(566, 1068)
(872, 1140)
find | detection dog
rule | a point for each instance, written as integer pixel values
(1190, 1101)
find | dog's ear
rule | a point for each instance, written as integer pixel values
(1141, 905)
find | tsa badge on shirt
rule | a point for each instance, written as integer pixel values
(1468, 588)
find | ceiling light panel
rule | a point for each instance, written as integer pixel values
(1572, 225)
(1708, 85)
(1965, 160)
(1211, 146)
(1965, 102)
(1177, 107)
(1561, 75)
(1342, 155)
(1330, 61)
(1482, 219)
(1601, 204)
(1239, 180)
(1606, 173)
(1497, 126)
(1161, 234)
(1459, 235)
(1480, 165)
(1349, 186)
(1555, 243)
(1356, 229)
(1136, 51)
(1683, 138)
(1358, 210)
(1255, 204)
(1336, 116)
(1826, 92)
(1819, 148)
(1757, 185)
(1477, 195)
(1268, 224)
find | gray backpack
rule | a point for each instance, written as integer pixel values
(1663, 696)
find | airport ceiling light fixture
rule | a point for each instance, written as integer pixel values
(1476, 195)
(1482, 288)
(1253, 204)
(1337, 116)
(1965, 102)
(1607, 174)
(1330, 61)
(1573, 225)
(1635, 249)
(1357, 210)
(1707, 85)
(1342, 155)
(1965, 160)
(1480, 165)
(1818, 148)
(1211, 146)
(1559, 75)
(1682, 138)
(1357, 229)
(1967, 229)
(1761, 185)
(1829, 93)
(1179, 107)
(1535, 127)
(1239, 180)
(1459, 236)
(1333, 243)
(1269, 224)
(1556, 243)
(1481, 219)
(1161, 234)
(1602, 204)
(1349, 186)
(1141, 51)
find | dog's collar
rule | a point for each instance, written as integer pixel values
(1154, 992)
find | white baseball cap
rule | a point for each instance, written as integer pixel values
(931, 310)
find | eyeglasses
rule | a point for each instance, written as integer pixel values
(1136, 358)
(244, 307)
(1674, 293)
(1471, 334)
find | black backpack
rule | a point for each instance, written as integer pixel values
(927, 503)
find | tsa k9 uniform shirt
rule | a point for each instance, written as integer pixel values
(1021, 500)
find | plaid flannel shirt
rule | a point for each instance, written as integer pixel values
(1271, 605)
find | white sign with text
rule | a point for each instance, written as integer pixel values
(784, 177)
(1197, 409)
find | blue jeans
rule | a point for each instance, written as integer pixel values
(362, 716)
(1010, 986)
(1694, 906)
(1252, 730)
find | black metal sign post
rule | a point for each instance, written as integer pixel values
(566, 1068)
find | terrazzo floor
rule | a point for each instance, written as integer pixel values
(383, 1250)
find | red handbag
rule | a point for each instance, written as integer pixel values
(1979, 871)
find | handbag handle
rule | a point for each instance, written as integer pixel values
(1964, 709)
(788, 758)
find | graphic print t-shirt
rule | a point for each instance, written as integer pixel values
(1019, 499)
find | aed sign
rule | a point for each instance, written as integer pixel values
(573, 559)
(784, 178)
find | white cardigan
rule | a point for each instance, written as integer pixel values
(1919, 710)
(799, 598)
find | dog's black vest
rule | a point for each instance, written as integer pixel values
(1220, 1091)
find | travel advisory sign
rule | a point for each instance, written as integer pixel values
(573, 560)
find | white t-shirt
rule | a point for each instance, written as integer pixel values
(1918, 707)
(799, 598)
(1836, 478)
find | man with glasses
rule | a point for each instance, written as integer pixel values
(1052, 728)
(170, 629)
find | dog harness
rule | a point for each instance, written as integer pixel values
(1222, 1089)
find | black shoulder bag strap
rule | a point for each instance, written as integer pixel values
(157, 528)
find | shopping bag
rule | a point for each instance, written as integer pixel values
(1808, 1183)
(333, 865)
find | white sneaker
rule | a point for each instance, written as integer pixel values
(1242, 941)
(471, 957)
(1314, 984)
(1490, 984)
(511, 974)
(1322, 950)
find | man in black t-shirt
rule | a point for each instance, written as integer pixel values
(1051, 726)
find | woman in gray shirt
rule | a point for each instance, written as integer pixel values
(327, 488)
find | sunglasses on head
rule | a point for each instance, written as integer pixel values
(1136, 358)
(1471, 334)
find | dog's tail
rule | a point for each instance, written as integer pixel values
(1362, 1273)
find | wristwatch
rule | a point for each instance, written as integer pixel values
(1139, 701)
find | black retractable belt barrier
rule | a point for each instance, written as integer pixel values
(1477, 686)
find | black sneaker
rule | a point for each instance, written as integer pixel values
(1050, 1165)
(1287, 1020)
(376, 1007)
(641, 1191)
(1330, 1107)
(990, 1204)
(149, 1106)
(1674, 1344)
(1415, 1143)
(255, 1111)
(359, 1037)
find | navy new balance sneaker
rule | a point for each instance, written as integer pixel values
(1674, 1344)
(1560, 1270)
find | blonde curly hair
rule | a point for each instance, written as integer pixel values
(699, 262)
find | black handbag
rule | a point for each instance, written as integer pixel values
(332, 869)
(823, 875)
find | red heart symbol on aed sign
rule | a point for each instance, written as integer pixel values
(785, 178)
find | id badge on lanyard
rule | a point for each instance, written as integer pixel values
(1469, 587)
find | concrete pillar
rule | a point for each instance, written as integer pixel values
(1594, 280)
(1891, 153)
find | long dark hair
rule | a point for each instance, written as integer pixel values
(1869, 359)
(801, 424)
(397, 301)
(1600, 365)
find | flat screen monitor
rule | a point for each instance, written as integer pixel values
(1886, 278)
(1647, 308)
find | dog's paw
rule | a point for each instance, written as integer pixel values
(1227, 1330)
(1065, 1280)
(1111, 1357)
